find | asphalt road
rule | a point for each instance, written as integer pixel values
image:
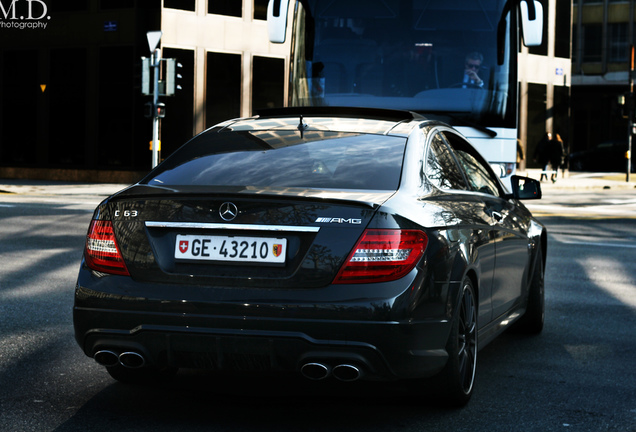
(577, 376)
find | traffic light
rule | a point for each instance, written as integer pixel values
(173, 77)
(160, 110)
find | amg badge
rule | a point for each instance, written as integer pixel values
(339, 220)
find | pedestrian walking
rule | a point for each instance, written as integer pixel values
(541, 155)
(556, 155)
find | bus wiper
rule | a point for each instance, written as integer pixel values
(461, 121)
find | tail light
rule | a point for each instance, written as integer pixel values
(382, 256)
(101, 252)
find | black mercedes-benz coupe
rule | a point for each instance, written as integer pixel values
(347, 244)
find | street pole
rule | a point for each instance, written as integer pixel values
(156, 61)
(631, 122)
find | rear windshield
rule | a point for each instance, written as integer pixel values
(285, 159)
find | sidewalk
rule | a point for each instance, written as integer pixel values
(571, 181)
(47, 188)
(582, 180)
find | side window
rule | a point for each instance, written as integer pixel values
(478, 176)
(440, 166)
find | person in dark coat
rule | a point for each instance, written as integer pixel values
(541, 154)
(556, 153)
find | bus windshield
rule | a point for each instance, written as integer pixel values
(428, 56)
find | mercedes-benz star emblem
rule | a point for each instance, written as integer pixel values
(228, 211)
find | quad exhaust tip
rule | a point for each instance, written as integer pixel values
(346, 372)
(319, 371)
(315, 371)
(131, 360)
(106, 358)
(127, 359)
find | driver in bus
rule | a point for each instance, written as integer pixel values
(472, 65)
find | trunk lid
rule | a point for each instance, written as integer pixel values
(257, 238)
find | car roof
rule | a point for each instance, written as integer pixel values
(335, 119)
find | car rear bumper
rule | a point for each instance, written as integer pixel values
(382, 357)
(236, 331)
(380, 350)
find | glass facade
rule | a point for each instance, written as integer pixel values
(73, 105)
(592, 42)
(602, 35)
(223, 95)
(21, 100)
(618, 42)
(226, 7)
(67, 95)
(268, 85)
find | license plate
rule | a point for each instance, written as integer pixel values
(231, 249)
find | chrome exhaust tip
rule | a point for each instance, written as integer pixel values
(315, 371)
(106, 358)
(346, 372)
(131, 360)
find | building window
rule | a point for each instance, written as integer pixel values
(268, 82)
(21, 98)
(226, 7)
(223, 84)
(562, 29)
(116, 4)
(592, 48)
(65, 6)
(576, 45)
(187, 5)
(260, 9)
(67, 97)
(114, 146)
(618, 42)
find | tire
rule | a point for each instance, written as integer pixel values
(142, 376)
(532, 321)
(456, 381)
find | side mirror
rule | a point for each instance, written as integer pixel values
(532, 26)
(525, 188)
(277, 20)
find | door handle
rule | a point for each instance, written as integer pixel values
(496, 216)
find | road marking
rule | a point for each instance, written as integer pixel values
(621, 202)
(580, 216)
(615, 245)
(559, 238)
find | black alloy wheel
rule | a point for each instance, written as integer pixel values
(453, 386)
(457, 380)
(467, 339)
(532, 321)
